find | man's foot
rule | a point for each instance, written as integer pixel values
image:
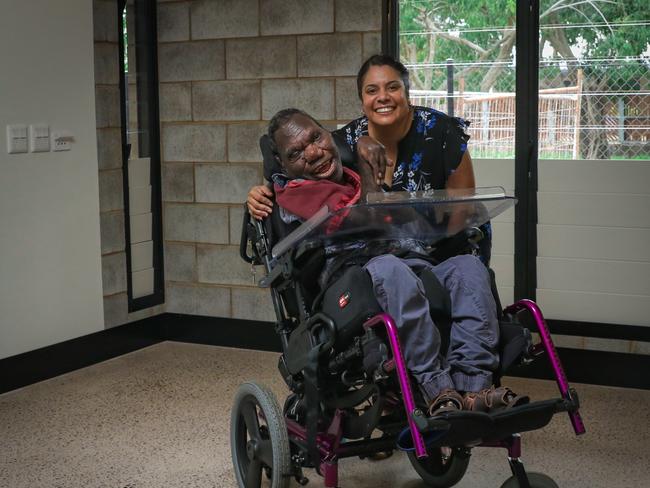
(492, 399)
(447, 401)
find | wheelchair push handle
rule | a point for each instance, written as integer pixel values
(243, 241)
(251, 230)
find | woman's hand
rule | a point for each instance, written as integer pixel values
(259, 201)
(372, 153)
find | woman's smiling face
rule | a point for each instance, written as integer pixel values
(307, 150)
(383, 96)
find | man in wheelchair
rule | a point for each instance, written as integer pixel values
(313, 176)
(351, 378)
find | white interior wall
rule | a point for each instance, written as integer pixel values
(50, 267)
(593, 260)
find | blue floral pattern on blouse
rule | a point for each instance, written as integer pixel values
(428, 154)
(426, 121)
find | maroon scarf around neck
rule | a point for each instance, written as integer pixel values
(304, 198)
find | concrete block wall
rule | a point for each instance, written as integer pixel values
(225, 67)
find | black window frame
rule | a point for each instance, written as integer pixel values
(148, 112)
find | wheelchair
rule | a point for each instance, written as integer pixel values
(351, 393)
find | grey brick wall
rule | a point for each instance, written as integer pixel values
(226, 66)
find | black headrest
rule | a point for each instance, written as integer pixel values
(271, 165)
(348, 158)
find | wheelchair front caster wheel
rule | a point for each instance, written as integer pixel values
(442, 468)
(536, 480)
(259, 442)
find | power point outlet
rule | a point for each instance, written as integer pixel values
(61, 141)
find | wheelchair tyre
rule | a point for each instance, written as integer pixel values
(259, 442)
(437, 473)
(536, 480)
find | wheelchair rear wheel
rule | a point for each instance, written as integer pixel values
(536, 480)
(439, 471)
(258, 439)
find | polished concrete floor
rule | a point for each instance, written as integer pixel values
(159, 417)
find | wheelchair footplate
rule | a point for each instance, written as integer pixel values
(464, 428)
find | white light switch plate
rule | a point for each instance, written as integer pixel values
(16, 139)
(39, 138)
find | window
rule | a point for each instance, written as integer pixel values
(563, 87)
(594, 80)
(594, 152)
(461, 56)
(141, 152)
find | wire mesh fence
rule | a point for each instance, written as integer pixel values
(588, 109)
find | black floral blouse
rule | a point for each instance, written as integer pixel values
(430, 152)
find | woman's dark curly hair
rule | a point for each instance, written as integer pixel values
(382, 60)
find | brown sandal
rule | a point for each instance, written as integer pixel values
(447, 401)
(475, 401)
(493, 399)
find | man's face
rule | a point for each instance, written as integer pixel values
(307, 150)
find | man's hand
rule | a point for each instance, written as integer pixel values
(373, 154)
(259, 201)
(368, 180)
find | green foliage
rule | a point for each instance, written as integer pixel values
(608, 39)
(450, 16)
(619, 41)
(475, 31)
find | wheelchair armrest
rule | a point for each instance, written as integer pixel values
(273, 276)
(305, 249)
(293, 263)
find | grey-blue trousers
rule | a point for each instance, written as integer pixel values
(472, 354)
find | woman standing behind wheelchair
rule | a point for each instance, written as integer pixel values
(425, 149)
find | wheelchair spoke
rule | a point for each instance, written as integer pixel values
(249, 411)
(265, 452)
(254, 474)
